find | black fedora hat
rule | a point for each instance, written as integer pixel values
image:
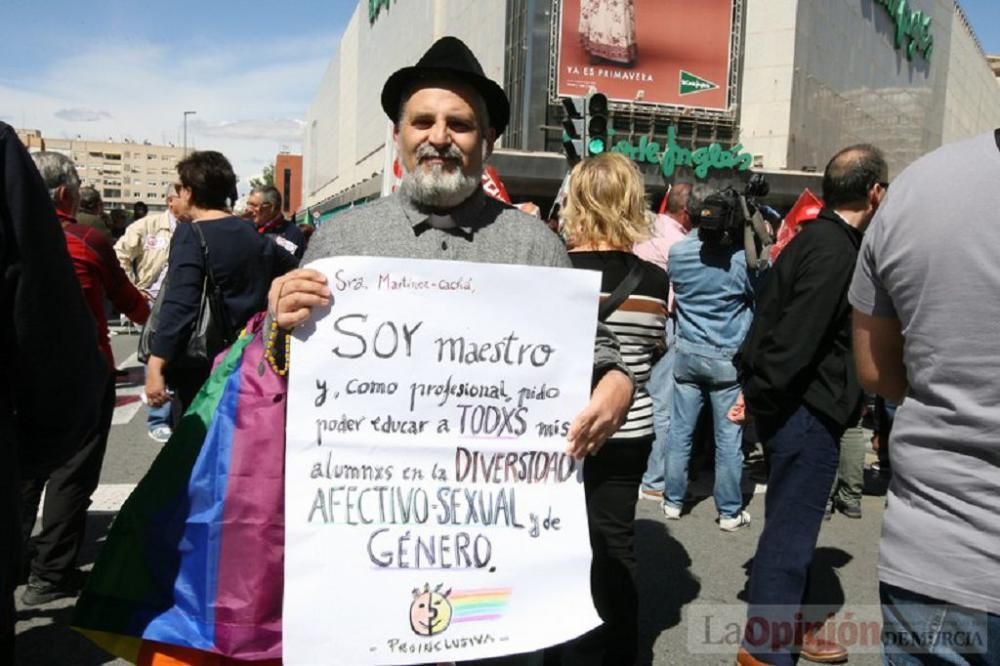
(448, 59)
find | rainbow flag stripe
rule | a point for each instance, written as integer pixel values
(193, 564)
(479, 605)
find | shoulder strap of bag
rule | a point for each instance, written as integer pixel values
(204, 251)
(996, 136)
(622, 292)
(213, 286)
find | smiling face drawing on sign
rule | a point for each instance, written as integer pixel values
(430, 612)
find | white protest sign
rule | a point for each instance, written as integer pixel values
(430, 512)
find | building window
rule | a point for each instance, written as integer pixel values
(112, 194)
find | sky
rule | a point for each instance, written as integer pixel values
(129, 68)
(119, 68)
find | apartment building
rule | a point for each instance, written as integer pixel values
(123, 172)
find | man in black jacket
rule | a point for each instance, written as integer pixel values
(52, 371)
(801, 387)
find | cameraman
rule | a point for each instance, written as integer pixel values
(714, 295)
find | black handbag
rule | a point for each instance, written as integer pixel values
(211, 332)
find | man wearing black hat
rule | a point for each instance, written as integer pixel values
(447, 116)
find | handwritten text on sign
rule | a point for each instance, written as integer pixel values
(431, 514)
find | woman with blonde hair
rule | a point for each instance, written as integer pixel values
(603, 217)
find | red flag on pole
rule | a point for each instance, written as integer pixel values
(493, 186)
(805, 209)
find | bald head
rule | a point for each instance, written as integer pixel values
(851, 174)
(677, 200)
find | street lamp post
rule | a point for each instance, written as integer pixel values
(186, 114)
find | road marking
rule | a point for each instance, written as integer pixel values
(128, 400)
(110, 496)
(127, 403)
(132, 360)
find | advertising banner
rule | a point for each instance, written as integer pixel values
(431, 514)
(669, 52)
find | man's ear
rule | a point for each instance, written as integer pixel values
(874, 195)
(63, 199)
(489, 138)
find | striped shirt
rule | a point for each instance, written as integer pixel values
(639, 324)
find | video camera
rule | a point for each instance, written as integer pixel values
(727, 216)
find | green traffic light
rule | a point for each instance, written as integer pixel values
(595, 146)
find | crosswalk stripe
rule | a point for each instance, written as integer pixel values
(110, 496)
(127, 403)
(128, 400)
(133, 359)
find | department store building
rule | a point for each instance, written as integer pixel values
(712, 90)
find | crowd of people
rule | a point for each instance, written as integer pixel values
(906, 311)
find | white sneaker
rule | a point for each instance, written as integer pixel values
(737, 522)
(671, 512)
(161, 434)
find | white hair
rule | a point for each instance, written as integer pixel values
(440, 188)
(57, 171)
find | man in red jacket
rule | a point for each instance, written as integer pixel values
(53, 573)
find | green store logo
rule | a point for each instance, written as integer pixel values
(691, 83)
(375, 8)
(913, 28)
(703, 160)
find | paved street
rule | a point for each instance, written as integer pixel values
(687, 567)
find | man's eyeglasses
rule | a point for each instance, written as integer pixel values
(884, 185)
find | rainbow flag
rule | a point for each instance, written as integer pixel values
(478, 605)
(192, 570)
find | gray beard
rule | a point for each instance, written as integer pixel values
(438, 188)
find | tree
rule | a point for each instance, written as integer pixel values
(266, 178)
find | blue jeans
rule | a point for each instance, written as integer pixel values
(918, 630)
(802, 454)
(159, 416)
(702, 373)
(661, 390)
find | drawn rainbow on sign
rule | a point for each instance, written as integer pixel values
(479, 605)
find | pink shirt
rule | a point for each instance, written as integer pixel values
(666, 232)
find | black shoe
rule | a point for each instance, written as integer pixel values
(850, 510)
(38, 591)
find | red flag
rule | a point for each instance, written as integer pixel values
(805, 209)
(663, 202)
(493, 186)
